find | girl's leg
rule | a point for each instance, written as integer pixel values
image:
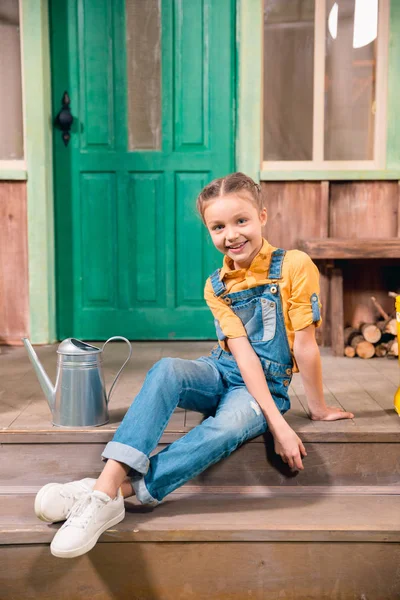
(195, 385)
(238, 418)
(191, 384)
(112, 477)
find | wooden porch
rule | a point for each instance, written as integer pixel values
(365, 387)
(256, 529)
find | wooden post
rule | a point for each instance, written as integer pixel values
(398, 209)
(323, 332)
(337, 333)
(324, 224)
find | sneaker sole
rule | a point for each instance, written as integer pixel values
(91, 543)
(38, 504)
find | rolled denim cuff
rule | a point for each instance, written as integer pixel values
(141, 491)
(128, 455)
(316, 313)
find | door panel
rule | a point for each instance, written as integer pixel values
(189, 239)
(132, 254)
(97, 75)
(97, 192)
(191, 75)
(146, 227)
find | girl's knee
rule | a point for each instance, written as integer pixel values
(235, 428)
(243, 423)
(167, 370)
(167, 365)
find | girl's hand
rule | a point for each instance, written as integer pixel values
(331, 413)
(289, 447)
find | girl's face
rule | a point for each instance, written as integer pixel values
(235, 226)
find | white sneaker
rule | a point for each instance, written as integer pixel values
(54, 501)
(90, 517)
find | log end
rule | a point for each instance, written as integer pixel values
(365, 349)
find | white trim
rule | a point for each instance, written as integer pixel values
(380, 130)
(12, 165)
(342, 165)
(19, 164)
(319, 82)
(382, 61)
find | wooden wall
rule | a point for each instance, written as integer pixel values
(14, 283)
(296, 210)
(365, 209)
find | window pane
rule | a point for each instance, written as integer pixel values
(288, 79)
(350, 79)
(11, 128)
(143, 38)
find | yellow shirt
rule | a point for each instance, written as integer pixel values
(299, 281)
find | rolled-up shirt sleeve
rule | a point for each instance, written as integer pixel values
(304, 305)
(227, 324)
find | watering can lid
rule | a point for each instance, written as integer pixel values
(74, 346)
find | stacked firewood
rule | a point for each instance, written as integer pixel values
(373, 339)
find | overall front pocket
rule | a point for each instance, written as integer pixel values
(279, 387)
(278, 380)
(268, 308)
(259, 318)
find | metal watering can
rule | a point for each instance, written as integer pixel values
(79, 397)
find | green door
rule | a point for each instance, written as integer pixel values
(151, 86)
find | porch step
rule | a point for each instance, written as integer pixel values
(362, 451)
(47, 456)
(214, 547)
(239, 515)
(246, 528)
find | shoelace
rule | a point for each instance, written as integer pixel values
(74, 496)
(85, 508)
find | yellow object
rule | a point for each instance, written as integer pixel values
(397, 395)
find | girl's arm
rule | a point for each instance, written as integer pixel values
(287, 443)
(306, 353)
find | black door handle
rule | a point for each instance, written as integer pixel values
(64, 119)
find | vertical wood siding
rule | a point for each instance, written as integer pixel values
(363, 209)
(14, 305)
(367, 209)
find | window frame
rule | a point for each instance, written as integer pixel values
(318, 163)
(250, 109)
(17, 169)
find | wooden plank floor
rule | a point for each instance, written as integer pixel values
(366, 387)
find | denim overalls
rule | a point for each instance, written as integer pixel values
(211, 385)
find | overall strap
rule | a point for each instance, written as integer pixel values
(275, 267)
(218, 286)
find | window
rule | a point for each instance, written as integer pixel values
(324, 88)
(143, 48)
(11, 123)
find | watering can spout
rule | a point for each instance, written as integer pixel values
(44, 380)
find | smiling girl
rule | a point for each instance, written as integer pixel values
(265, 303)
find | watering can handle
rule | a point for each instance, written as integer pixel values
(117, 337)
